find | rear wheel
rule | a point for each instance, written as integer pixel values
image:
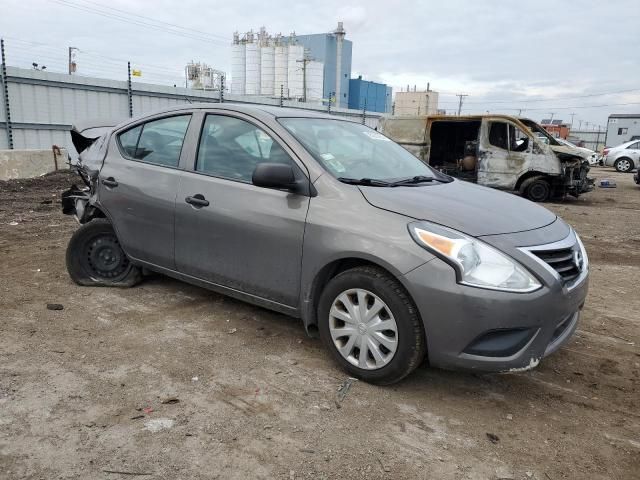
(623, 165)
(371, 326)
(95, 257)
(536, 189)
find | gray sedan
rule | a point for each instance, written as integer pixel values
(386, 259)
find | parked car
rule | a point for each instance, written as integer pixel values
(591, 156)
(624, 158)
(498, 151)
(388, 260)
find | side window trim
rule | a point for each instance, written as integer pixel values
(142, 123)
(300, 168)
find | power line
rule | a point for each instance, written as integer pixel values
(188, 29)
(140, 23)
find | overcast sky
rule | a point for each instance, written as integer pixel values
(541, 57)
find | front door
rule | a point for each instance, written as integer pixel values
(138, 185)
(230, 232)
(505, 153)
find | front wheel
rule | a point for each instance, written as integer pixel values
(371, 326)
(536, 189)
(623, 165)
(95, 257)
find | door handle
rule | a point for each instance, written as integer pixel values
(109, 182)
(197, 201)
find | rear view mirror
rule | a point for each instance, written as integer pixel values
(281, 176)
(274, 175)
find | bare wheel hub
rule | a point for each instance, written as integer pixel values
(363, 329)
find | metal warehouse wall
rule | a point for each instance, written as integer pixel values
(45, 105)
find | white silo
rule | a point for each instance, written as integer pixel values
(238, 66)
(281, 68)
(267, 70)
(294, 71)
(315, 81)
(252, 71)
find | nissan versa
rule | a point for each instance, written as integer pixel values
(387, 259)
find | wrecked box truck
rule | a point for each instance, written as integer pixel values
(496, 151)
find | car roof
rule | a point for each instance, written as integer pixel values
(270, 110)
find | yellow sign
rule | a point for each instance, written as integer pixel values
(136, 73)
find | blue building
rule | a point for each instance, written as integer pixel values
(323, 47)
(376, 95)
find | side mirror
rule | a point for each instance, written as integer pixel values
(281, 176)
(274, 175)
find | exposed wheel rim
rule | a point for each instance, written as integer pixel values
(623, 165)
(538, 191)
(104, 257)
(363, 329)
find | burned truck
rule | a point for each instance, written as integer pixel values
(496, 151)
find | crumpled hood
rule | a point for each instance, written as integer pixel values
(463, 206)
(569, 151)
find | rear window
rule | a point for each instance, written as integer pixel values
(158, 141)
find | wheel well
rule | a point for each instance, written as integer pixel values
(527, 176)
(323, 277)
(92, 212)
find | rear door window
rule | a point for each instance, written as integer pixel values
(158, 141)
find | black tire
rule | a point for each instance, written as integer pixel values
(623, 165)
(411, 348)
(536, 189)
(95, 257)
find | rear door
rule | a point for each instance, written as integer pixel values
(138, 185)
(230, 232)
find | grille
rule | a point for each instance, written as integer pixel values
(568, 262)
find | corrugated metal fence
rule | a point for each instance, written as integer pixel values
(44, 106)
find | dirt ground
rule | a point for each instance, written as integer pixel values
(175, 382)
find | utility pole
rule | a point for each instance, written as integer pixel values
(72, 60)
(572, 115)
(552, 114)
(580, 125)
(364, 112)
(461, 95)
(221, 88)
(5, 94)
(281, 95)
(304, 62)
(129, 94)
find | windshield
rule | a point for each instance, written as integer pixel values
(353, 151)
(538, 131)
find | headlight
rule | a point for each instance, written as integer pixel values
(476, 263)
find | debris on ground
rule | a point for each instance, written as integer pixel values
(232, 330)
(122, 472)
(170, 401)
(157, 424)
(607, 183)
(493, 438)
(344, 389)
(54, 306)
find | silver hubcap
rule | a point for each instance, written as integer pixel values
(363, 329)
(624, 165)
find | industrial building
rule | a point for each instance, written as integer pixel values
(416, 102)
(266, 65)
(370, 96)
(270, 66)
(621, 128)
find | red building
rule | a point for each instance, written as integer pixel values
(556, 128)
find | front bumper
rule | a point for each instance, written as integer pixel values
(477, 329)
